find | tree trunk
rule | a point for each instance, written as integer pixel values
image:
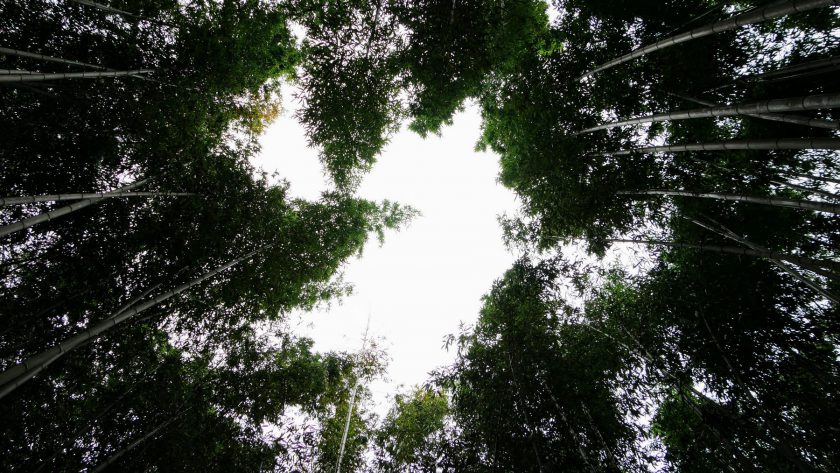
(47, 216)
(791, 104)
(37, 361)
(43, 57)
(781, 143)
(775, 10)
(4, 201)
(817, 206)
(35, 77)
(734, 250)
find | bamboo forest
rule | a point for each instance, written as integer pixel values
(673, 304)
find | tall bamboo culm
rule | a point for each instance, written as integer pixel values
(775, 10)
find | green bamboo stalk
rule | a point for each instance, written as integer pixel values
(780, 143)
(36, 77)
(733, 250)
(43, 57)
(790, 104)
(116, 456)
(47, 216)
(775, 10)
(106, 8)
(4, 201)
(818, 206)
(36, 362)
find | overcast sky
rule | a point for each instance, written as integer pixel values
(427, 278)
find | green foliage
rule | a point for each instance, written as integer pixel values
(411, 434)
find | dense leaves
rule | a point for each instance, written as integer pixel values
(712, 347)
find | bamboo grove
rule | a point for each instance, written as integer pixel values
(674, 306)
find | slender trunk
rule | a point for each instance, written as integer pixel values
(572, 433)
(47, 216)
(34, 77)
(790, 104)
(79, 431)
(781, 143)
(817, 266)
(799, 188)
(642, 352)
(774, 117)
(830, 62)
(346, 427)
(610, 456)
(14, 71)
(817, 206)
(113, 458)
(528, 422)
(778, 182)
(43, 57)
(73, 342)
(106, 8)
(115, 11)
(17, 382)
(775, 10)
(815, 178)
(350, 407)
(734, 250)
(4, 201)
(726, 233)
(784, 447)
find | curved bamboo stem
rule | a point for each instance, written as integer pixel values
(818, 206)
(733, 250)
(44, 57)
(780, 143)
(4, 201)
(36, 77)
(767, 13)
(764, 109)
(49, 355)
(47, 216)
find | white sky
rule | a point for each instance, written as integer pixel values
(427, 278)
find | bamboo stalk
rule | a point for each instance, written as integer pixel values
(49, 355)
(35, 77)
(790, 104)
(775, 10)
(106, 8)
(47, 216)
(780, 143)
(44, 57)
(734, 250)
(727, 233)
(113, 458)
(818, 206)
(4, 201)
